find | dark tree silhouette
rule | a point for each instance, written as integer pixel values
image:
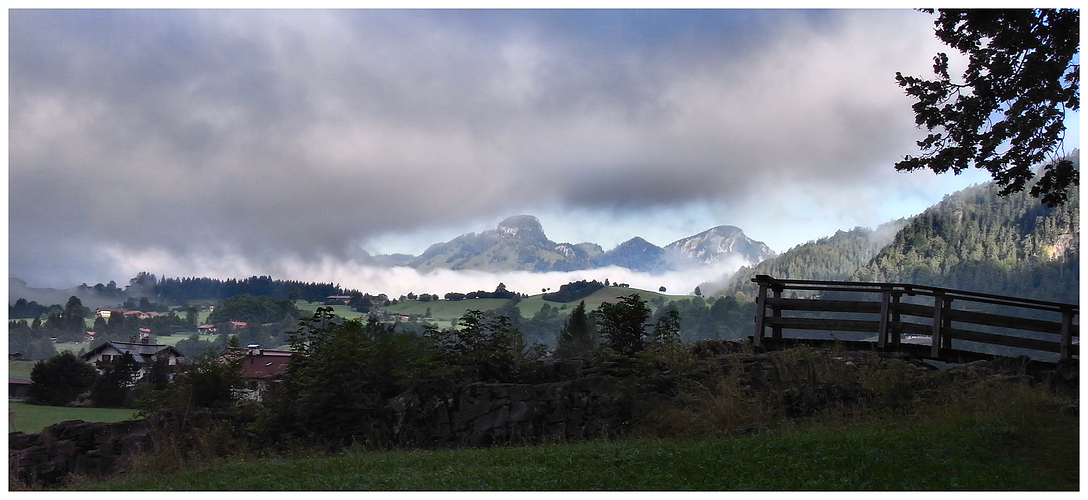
(1006, 116)
(623, 324)
(578, 336)
(58, 380)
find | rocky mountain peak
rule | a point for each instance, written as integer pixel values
(521, 226)
(711, 245)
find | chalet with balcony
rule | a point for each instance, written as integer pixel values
(104, 356)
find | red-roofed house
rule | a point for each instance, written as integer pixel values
(261, 369)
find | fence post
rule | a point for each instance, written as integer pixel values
(938, 322)
(882, 331)
(1067, 334)
(761, 304)
(946, 323)
(776, 312)
(897, 325)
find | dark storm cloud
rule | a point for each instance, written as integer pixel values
(254, 136)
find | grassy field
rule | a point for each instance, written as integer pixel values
(20, 368)
(963, 455)
(30, 418)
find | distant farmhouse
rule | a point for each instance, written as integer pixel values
(104, 356)
(333, 300)
(107, 313)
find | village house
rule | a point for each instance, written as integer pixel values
(261, 369)
(332, 300)
(104, 356)
(107, 313)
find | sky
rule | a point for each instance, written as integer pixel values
(291, 143)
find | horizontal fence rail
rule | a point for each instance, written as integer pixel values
(898, 313)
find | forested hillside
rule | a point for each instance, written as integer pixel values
(976, 240)
(834, 257)
(180, 290)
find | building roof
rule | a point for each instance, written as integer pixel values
(144, 353)
(260, 363)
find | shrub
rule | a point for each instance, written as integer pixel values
(58, 380)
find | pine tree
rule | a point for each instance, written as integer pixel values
(578, 336)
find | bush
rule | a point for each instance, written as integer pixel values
(208, 381)
(573, 291)
(58, 380)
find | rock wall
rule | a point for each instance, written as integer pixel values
(480, 414)
(483, 414)
(91, 448)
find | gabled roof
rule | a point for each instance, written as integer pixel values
(144, 353)
(263, 366)
(260, 363)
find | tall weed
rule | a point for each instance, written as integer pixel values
(719, 406)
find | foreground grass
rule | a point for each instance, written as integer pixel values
(30, 418)
(969, 454)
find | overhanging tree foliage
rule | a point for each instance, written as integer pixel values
(1006, 116)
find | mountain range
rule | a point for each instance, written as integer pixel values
(519, 243)
(974, 239)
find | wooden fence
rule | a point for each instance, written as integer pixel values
(901, 314)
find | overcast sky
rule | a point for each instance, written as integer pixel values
(232, 143)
